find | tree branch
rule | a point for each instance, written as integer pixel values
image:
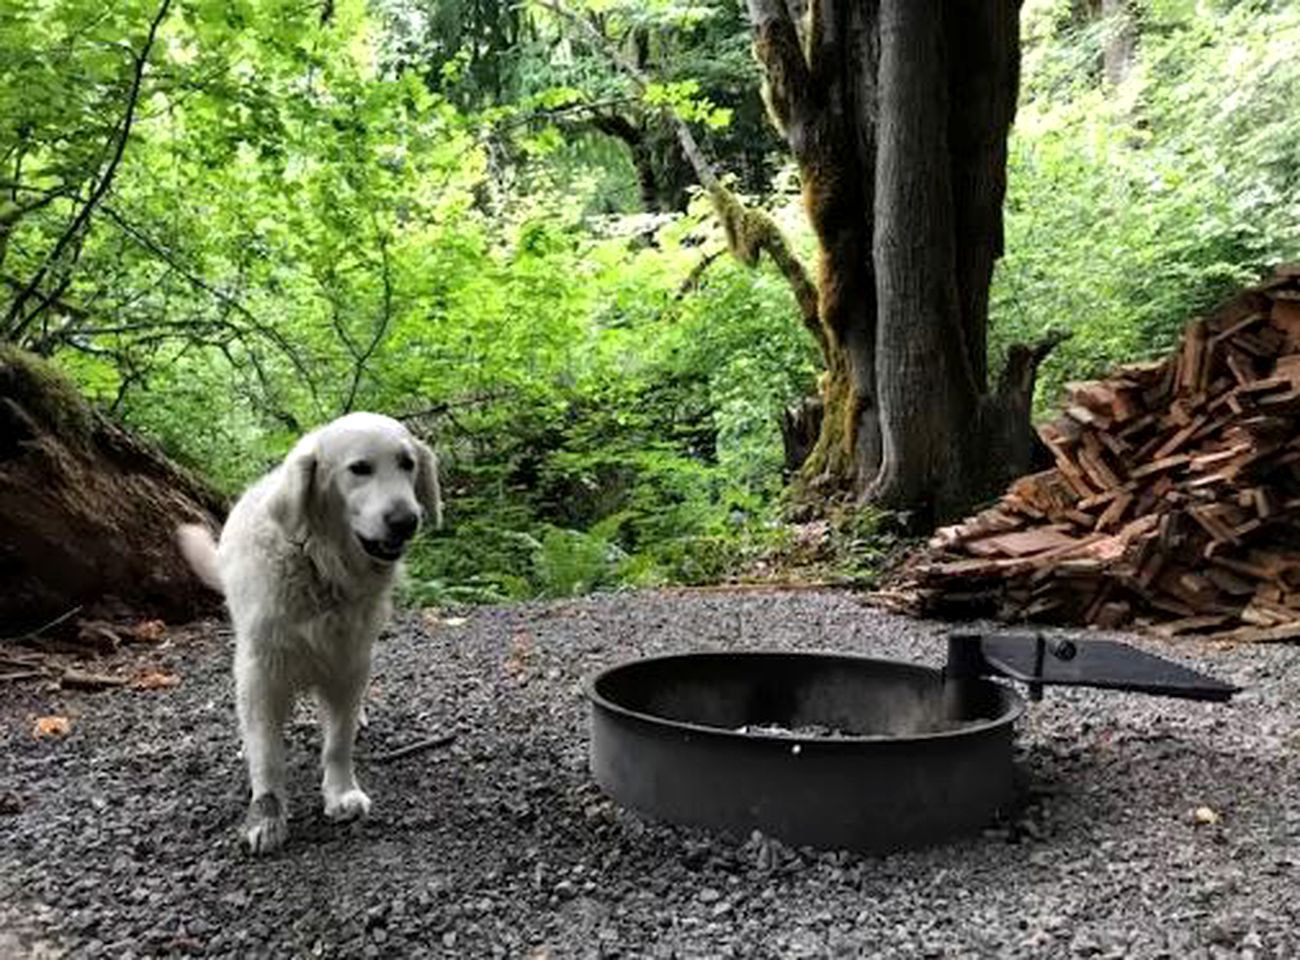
(362, 357)
(620, 127)
(1023, 360)
(15, 323)
(749, 231)
(560, 114)
(789, 89)
(62, 306)
(15, 212)
(270, 333)
(693, 278)
(447, 406)
(690, 146)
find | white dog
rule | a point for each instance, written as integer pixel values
(306, 562)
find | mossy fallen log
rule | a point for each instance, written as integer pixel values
(87, 510)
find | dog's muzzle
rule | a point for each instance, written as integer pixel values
(400, 525)
(389, 551)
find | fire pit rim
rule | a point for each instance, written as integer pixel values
(1013, 702)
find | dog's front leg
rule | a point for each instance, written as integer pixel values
(263, 699)
(340, 704)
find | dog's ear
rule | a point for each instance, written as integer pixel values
(291, 500)
(427, 489)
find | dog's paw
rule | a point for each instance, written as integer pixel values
(266, 828)
(348, 805)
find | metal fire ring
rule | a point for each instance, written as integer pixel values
(837, 751)
(673, 737)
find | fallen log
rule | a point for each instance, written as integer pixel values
(88, 511)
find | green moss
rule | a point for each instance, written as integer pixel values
(48, 397)
(746, 229)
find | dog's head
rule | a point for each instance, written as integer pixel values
(362, 480)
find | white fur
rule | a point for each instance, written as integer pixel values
(307, 597)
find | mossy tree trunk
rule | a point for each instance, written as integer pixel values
(897, 112)
(819, 98)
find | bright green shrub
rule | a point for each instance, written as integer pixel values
(1131, 209)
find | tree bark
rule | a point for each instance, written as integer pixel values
(897, 112)
(928, 390)
(750, 232)
(1121, 40)
(16, 321)
(634, 138)
(983, 78)
(823, 103)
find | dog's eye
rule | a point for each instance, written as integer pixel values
(405, 463)
(361, 468)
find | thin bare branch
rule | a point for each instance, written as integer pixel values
(362, 357)
(62, 306)
(445, 408)
(270, 333)
(563, 114)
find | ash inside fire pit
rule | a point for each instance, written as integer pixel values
(776, 730)
(826, 750)
(799, 695)
(817, 730)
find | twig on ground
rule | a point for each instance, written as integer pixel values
(22, 675)
(430, 743)
(33, 634)
(78, 680)
(19, 662)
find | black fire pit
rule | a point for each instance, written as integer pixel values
(836, 751)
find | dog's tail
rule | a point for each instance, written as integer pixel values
(200, 551)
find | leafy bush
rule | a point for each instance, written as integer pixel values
(1131, 208)
(304, 223)
(653, 454)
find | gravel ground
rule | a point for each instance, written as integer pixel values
(119, 839)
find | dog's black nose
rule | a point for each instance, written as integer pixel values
(401, 523)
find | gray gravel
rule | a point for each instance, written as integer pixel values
(119, 840)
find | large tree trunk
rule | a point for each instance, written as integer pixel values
(1121, 40)
(897, 113)
(634, 137)
(823, 104)
(928, 391)
(87, 512)
(983, 76)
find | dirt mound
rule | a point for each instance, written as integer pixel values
(87, 510)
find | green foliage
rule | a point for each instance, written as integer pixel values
(567, 563)
(545, 82)
(684, 99)
(423, 208)
(299, 228)
(646, 460)
(1131, 208)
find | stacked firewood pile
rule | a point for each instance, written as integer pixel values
(1175, 499)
